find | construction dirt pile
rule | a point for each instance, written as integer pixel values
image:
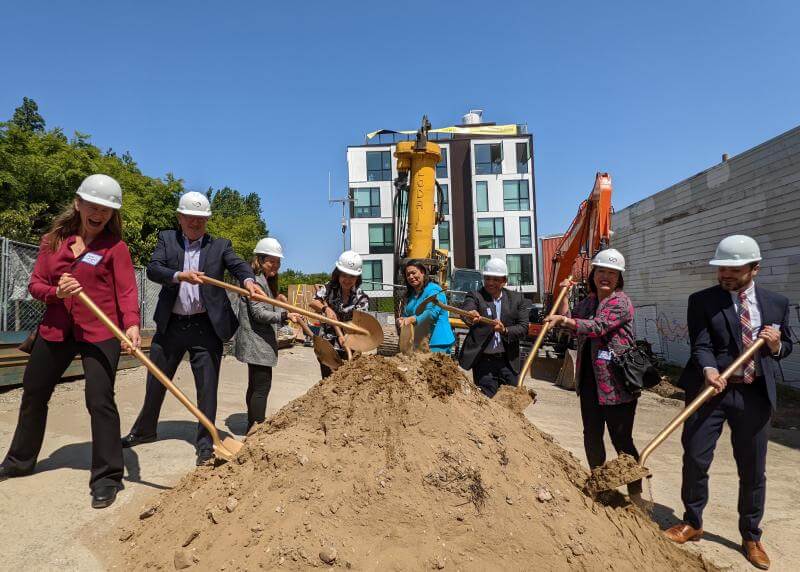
(394, 464)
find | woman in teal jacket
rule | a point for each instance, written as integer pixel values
(434, 319)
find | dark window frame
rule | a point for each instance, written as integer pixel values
(378, 284)
(384, 173)
(495, 164)
(498, 240)
(477, 196)
(512, 276)
(387, 245)
(445, 198)
(441, 166)
(522, 166)
(374, 210)
(529, 242)
(443, 224)
(519, 197)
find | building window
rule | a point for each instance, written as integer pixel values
(372, 275)
(525, 239)
(444, 235)
(523, 154)
(489, 159)
(482, 260)
(482, 196)
(441, 166)
(379, 165)
(491, 233)
(520, 269)
(445, 199)
(366, 202)
(515, 196)
(381, 239)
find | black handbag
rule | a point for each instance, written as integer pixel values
(634, 369)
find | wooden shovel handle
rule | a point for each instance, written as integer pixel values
(704, 396)
(540, 338)
(152, 368)
(286, 306)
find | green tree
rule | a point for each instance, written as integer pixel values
(27, 117)
(238, 218)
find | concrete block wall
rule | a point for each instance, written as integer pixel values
(669, 237)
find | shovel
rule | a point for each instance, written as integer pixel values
(540, 338)
(325, 352)
(458, 311)
(365, 332)
(224, 449)
(622, 477)
(405, 341)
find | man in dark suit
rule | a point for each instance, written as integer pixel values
(190, 316)
(723, 322)
(492, 352)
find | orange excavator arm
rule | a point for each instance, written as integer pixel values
(589, 232)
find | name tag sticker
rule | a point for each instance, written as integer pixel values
(92, 258)
(604, 355)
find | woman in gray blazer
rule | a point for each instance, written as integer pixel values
(256, 341)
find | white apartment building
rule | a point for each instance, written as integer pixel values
(489, 210)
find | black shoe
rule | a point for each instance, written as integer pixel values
(103, 497)
(204, 457)
(132, 439)
(11, 472)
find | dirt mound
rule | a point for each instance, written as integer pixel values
(394, 464)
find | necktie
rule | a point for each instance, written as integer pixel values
(747, 337)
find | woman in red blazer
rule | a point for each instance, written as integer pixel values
(83, 251)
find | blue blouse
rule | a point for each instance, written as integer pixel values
(441, 332)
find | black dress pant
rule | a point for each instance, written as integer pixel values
(193, 334)
(46, 365)
(491, 371)
(259, 382)
(747, 410)
(617, 418)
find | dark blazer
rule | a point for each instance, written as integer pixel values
(216, 256)
(514, 312)
(716, 337)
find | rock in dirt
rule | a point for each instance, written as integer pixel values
(231, 505)
(148, 513)
(189, 539)
(543, 495)
(408, 430)
(328, 555)
(182, 559)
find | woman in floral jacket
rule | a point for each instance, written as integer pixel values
(603, 323)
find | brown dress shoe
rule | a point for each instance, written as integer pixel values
(682, 532)
(754, 551)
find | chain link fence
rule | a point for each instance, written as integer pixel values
(20, 312)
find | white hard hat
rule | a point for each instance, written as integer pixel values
(101, 190)
(194, 204)
(736, 250)
(495, 267)
(609, 258)
(269, 246)
(350, 263)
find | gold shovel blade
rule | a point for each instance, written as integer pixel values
(364, 343)
(406, 339)
(326, 354)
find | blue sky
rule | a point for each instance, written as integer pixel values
(265, 97)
